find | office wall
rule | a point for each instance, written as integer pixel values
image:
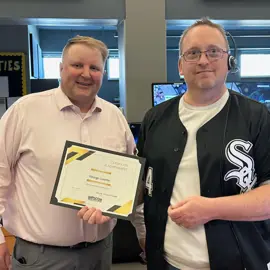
(218, 9)
(53, 41)
(143, 52)
(15, 39)
(84, 9)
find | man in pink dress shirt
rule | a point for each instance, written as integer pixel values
(32, 137)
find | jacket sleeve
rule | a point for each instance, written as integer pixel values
(143, 133)
(138, 219)
(262, 146)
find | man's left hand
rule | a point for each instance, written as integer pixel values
(192, 212)
(93, 215)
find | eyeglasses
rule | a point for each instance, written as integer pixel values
(212, 54)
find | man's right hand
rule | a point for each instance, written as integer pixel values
(4, 257)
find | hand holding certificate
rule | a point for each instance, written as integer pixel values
(92, 215)
(98, 178)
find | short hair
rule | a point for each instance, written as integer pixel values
(203, 21)
(90, 42)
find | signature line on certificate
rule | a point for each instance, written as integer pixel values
(95, 170)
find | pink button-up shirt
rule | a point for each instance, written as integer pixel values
(32, 137)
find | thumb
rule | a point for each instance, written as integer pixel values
(179, 204)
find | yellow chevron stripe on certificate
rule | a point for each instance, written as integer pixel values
(99, 178)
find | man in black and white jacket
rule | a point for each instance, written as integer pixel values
(206, 196)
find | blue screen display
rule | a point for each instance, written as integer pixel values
(165, 91)
(259, 91)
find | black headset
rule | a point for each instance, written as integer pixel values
(232, 59)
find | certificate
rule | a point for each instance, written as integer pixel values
(99, 178)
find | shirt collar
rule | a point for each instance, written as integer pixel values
(63, 101)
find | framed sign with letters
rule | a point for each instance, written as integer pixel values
(12, 74)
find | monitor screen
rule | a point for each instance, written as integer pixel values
(259, 91)
(165, 91)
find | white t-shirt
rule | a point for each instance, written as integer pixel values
(186, 249)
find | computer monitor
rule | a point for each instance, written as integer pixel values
(165, 91)
(259, 91)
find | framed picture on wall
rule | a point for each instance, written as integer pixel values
(13, 74)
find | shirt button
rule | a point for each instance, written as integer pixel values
(176, 149)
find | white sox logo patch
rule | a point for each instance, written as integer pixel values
(237, 154)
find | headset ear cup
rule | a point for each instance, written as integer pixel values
(230, 62)
(232, 66)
